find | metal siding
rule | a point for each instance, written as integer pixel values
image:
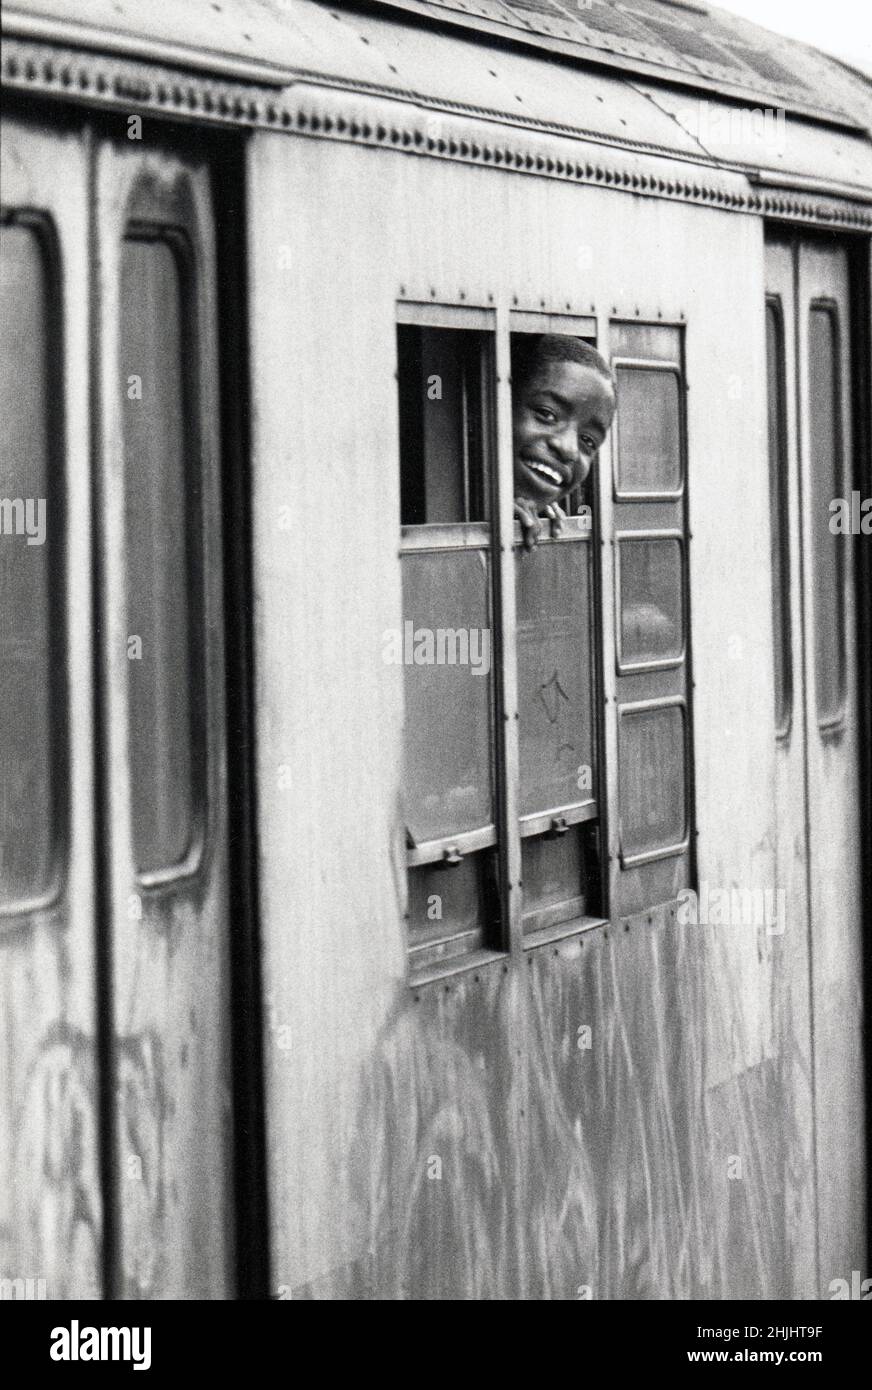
(364, 1084)
(51, 1217)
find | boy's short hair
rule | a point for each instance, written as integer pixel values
(530, 351)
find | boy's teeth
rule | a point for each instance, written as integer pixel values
(549, 473)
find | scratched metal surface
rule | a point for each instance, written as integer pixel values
(574, 1165)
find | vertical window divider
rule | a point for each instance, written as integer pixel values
(606, 602)
(508, 756)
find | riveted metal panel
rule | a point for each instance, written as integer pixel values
(694, 45)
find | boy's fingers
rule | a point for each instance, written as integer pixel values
(555, 514)
(530, 527)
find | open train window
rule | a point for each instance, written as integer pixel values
(558, 734)
(32, 782)
(446, 641)
(488, 798)
(505, 796)
(162, 535)
(442, 412)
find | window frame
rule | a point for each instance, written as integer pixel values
(41, 222)
(677, 847)
(638, 881)
(779, 497)
(665, 663)
(509, 829)
(465, 537)
(610, 703)
(178, 241)
(445, 537)
(575, 531)
(644, 364)
(168, 209)
(830, 725)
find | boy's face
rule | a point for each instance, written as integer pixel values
(560, 419)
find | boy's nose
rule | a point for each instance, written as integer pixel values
(566, 445)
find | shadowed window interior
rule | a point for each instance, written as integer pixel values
(778, 515)
(442, 473)
(827, 483)
(31, 561)
(161, 509)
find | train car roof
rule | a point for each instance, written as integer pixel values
(635, 73)
(680, 41)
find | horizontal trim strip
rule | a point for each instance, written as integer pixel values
(540, 822)
(312, 106)
(461, 535)
(433, 851)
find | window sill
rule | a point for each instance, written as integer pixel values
(563, 931)
(457, 965)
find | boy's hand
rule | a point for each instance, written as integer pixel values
(557, 516)
(531, 525)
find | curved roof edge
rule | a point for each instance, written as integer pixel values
(680, 43)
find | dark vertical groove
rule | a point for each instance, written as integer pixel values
(249, 1127)
(102, 819)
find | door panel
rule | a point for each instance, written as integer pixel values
(166, 784)
(833, 752)
(816, 726)
(790, 761)
(50, 1200)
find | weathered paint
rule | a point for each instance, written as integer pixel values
(498, 1151)
(170, 938)
(672, 1159)
(51, 1209)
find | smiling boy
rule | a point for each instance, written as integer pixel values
(563, 404)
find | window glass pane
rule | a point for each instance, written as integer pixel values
(30, 556)
(778, 503)
(652, 627)
(554, 876)
(826, 484)
(160, 502)
(648, 430)
(450, 907)
(555, 677)
(446, 648)
(652, 797)
(441, 426)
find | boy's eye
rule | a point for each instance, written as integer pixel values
(588, 444)
(546, 416)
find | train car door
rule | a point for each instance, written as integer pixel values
(51, 1209)
(115, 1140)
(818, 731)
(162, 681)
